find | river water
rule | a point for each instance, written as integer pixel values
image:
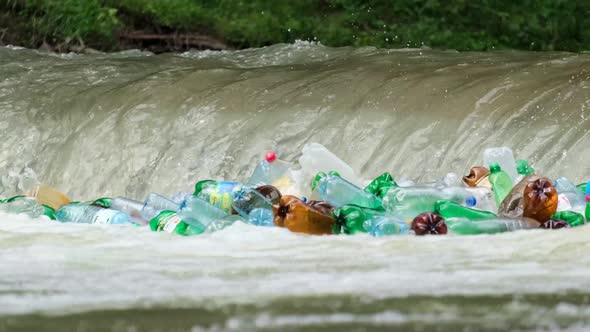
(129, 123)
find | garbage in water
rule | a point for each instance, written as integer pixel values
(503, 195)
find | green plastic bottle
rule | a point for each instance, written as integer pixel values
(587, 211)
(449, 209)
(350, 219)
(381, 184)
(105, 202)
(462, 226)
(501, 183)
(523, 168)
(169, 222)
(572, 218)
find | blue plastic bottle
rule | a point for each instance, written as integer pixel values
(253, 206)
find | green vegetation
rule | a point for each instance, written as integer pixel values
(177, 24)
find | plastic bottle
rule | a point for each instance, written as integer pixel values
(429, 223)
(501, 183)
(88, 214)
(478, 177)
(448, 209)
(569, 197)
(381, 184)
(200, 214)
(154, 204)
(104, 202)
(253, 206)
(216, 193)
(169, 222)
(272, 171)
(513, 205)
(317, 158)
(385, 225)
(573, 219)
(504, 157)
(540, 200)
(23, 205)
(297, 216)
(350, 219)
(523, 169)
(338, 192)
(132, 207)
(587, 212)
(408, 202)
(462, 226)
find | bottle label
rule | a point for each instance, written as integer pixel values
(171, 223)
(104, 216)
(563, 203)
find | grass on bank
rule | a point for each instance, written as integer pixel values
(456, 24)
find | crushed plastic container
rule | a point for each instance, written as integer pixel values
(338, 192)
(154, 204)
(569, 196)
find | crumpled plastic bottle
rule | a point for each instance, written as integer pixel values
(381, 184)
(350, 219)
(540, 200)
(573, 219)
(429, 223)
(478, 177)
(512, 206)
(449, 209)
(297, 216)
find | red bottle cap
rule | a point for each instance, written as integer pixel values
(270, 157)
(588, 198)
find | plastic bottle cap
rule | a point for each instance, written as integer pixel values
(495, 167)
(471, 201)
(270, 156)
(304, 199)
(588, 198)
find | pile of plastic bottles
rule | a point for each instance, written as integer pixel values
(325, 196)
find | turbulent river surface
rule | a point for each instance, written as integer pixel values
(130, 123)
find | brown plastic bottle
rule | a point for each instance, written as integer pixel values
(293, 214)
(512, 206)
(429, 223)
(270, 192)
(477, 177)
(540, 200)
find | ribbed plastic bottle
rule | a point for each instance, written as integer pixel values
(154, 204)
(385, 225)
(253, 206)
(88, 214)
(501, 183)
(408, 202)
(338, 192)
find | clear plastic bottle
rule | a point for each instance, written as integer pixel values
(504, 157)
(131, 207)
(317, 158)
(253, 206)
(501, 183)
(570, 198)
(408, 202)
(200, 214)
(88, 214)
(385, 225)
(272, 171)
(23, 205)
(339, 192)
(217, 193)
(154, 204)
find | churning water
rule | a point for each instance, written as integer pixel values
(129, 123)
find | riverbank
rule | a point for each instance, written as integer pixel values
(178, 25)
